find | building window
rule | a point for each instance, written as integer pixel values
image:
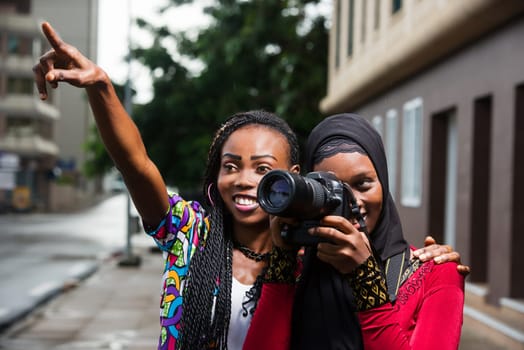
(377, 14)
(391, 142)
(378, 123)
(19, 44)
(337, 34)
(351, 18)
(13, 44)
(20, 126)
(20, 86)
(396, 5)
(363, 27)
(412, 153)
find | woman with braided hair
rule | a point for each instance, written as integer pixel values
(226, 283)
(216, 260)
(237, 255)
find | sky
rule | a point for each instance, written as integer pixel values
(113, 35)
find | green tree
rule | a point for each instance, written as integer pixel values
(256, 54)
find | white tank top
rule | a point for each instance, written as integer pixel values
(238, 324)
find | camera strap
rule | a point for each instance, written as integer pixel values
(395, 266)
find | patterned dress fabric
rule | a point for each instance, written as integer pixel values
(178, 236)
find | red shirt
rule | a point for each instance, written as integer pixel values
(427, 314)
(270, 327)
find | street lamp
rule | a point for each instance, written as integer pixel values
(129, 259)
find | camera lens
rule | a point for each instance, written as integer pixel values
(279, 193)
(289, 194)
(275, 191)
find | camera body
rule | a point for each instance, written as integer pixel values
(307, 198)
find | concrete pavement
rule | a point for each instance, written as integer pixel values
(117, 308)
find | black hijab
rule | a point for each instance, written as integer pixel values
(324, 313)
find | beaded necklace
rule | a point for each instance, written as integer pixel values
(248, 253)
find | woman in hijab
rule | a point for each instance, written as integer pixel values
(365, 287)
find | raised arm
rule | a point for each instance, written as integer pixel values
(122, 140)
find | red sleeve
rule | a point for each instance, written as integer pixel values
(270, 327)
(428, 317)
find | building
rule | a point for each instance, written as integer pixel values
(443, 82)
(41, 139)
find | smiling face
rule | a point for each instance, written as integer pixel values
(248, 154)
(358, 171)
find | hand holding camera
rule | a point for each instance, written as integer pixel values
(325, 214)
(307, 199)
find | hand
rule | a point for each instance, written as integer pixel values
(64, 63)
(275, 226)
(440, 254)
(347, 247)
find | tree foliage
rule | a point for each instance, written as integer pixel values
(255, 54)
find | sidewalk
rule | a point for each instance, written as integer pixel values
(117, 308)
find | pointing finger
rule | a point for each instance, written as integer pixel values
(56, 42)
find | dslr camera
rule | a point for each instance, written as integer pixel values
(307, 198)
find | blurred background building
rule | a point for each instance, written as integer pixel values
(443, 82)
(41, 142)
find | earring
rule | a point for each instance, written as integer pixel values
(209, 195)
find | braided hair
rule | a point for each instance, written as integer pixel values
(205, 321)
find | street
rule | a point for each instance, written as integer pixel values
(42, 253)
